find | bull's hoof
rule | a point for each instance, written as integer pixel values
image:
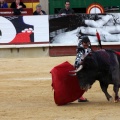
(117, 99)
(110, 99)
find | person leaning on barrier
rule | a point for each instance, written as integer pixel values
(3, 4)
(17, 6)
(67, 9)
(39, 10)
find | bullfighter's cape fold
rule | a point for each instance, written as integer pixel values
(66, 88)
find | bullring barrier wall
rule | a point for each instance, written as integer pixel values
(36, 36)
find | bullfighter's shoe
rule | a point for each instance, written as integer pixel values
(82, 99)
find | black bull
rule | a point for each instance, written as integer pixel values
(104, 66)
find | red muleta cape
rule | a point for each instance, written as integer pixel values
(66, 88)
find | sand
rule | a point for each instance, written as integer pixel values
(26, 93)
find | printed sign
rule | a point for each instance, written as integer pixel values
(24, 29)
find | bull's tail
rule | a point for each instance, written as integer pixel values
(118, 53)
(118, 56)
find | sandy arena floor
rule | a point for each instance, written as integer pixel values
(26, 93)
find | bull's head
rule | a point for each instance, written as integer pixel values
(88, 74)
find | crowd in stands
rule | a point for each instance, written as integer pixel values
(3, 4)
(18, 5)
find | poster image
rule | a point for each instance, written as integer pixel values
(71, 29)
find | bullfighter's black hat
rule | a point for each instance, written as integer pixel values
(85, 39)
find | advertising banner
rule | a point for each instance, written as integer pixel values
(24, 29)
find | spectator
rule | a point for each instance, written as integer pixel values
(3, 4)
(67, 9)
(17, 6)
(39, 11)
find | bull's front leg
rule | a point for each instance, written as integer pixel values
(104, 89)
(116, 90)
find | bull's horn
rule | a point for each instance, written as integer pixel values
(80, 67)
(74, 71)
(73, 74)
